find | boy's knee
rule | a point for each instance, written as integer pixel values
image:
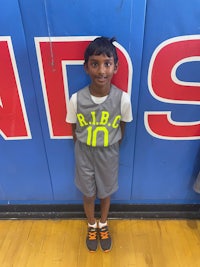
(89, 199)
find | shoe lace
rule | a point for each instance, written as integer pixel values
(104, 234)
(92, 234)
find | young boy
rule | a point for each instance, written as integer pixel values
(98, 114)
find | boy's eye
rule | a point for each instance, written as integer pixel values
(108, 64)
(94, 64)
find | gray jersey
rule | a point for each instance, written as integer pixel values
(99, 124)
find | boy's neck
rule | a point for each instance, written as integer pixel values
(99, 91)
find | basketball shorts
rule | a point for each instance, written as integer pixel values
(96, 169)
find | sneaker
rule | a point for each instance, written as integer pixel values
(92, 239)
(105, 239)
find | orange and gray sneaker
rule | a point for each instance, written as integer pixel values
(92, 239)
(105, 239)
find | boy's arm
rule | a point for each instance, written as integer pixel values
(74, 131)
(126, 112)
(71, 114)
(122, 126)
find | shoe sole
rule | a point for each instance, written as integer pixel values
(107, 250)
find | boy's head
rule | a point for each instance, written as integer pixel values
(99, 46)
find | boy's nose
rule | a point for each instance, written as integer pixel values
(101, 69)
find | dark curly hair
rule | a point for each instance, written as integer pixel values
(101, 45)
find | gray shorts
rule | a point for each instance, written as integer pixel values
(96, 169)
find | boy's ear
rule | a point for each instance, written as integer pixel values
(116, 68)
(86, 67)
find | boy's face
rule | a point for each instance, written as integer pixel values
(101, 69)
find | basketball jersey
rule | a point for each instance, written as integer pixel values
(99, 124)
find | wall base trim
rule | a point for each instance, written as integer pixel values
(117, 211)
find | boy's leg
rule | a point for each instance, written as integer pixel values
(92, 239)
(89, 205)
(104, 235)
(105, 206)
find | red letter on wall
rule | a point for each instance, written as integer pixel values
(53, 57)
(13, 119)
(166, 87)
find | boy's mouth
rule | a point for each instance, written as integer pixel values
(101, 78)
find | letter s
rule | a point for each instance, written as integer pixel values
(166, 87)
